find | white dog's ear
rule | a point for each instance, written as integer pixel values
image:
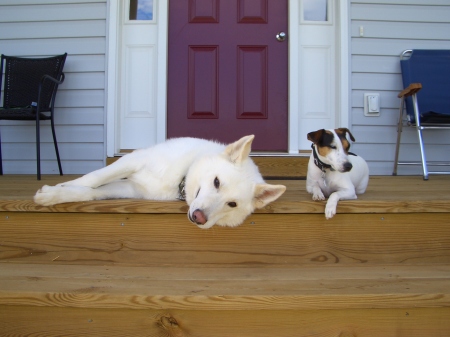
(239, 150)
(266, 193)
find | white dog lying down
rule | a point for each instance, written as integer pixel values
(221, 184)
(333, 172)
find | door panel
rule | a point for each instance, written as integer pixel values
(203, 11)
(252, 82)
(227, 73)
(203, 82)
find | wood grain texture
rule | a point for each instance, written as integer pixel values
(207, 289)
(282, 166)
(286, 239)
(270, 166)
(52, 322)
(380, 267)
(400, 194)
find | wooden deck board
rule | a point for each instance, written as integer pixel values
(264, 239)
(401, 194)
(380, 267)
(230, 289)
(271, 166)
(57, 321)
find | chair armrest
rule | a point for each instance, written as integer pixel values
(412, 89)
(41, 83)
(45, 77)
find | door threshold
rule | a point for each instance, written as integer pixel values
(305, 153)
(301, 153)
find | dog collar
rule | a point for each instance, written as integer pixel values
(181, 190)
(320, 164)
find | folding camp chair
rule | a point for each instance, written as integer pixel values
(29, 94)
(426, 77)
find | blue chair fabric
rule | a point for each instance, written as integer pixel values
(425, 99)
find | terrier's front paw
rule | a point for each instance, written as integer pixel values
(330, 211)
(318, 196)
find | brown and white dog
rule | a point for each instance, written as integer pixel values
(333, 171)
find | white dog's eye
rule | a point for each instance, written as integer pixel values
(232, 204)
(216, 183)
(333, 147)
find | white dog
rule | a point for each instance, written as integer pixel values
(221, 184)
(333, 172)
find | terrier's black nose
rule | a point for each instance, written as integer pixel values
(348, 166)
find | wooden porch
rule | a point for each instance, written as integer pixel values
(380, 267)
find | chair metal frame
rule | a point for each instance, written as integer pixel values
(411, 91)
(36, 110)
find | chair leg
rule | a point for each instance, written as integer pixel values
(56, 148)
(38, 151)
(422, 153)
(419, 134)
(1, 160)
(399, 135)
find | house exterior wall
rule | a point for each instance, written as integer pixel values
(79, 27)
(389, 27)
(49, 27)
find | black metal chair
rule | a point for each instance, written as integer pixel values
(30, 88)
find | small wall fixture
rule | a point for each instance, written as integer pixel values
(371, 104)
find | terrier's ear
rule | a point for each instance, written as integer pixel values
(344, 131)
(316, 136)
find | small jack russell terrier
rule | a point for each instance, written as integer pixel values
(334, 172)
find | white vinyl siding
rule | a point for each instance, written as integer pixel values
(79, 27)
(50, 27)
(391, 26)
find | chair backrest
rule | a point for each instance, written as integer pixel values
(22, 78)
(431, 68)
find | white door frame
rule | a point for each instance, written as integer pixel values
(112, 77)
(341, 15)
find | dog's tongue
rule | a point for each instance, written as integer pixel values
(199, 217)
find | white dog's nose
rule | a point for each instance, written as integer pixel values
(198, 217)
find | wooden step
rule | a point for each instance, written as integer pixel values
(230, 301)
(225, 288)
(385, 194)
(265, 239)
(380, 267)
(271, 166)
(54, 321)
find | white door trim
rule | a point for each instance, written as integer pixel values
(344, 64)
(161, 105)
(293, 102)
(113, 78)
(342, 73)
(161, 83)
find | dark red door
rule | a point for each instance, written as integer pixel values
(227, 73)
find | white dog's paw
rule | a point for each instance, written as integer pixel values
(318, 196)
(48, 195)
(44, 196)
